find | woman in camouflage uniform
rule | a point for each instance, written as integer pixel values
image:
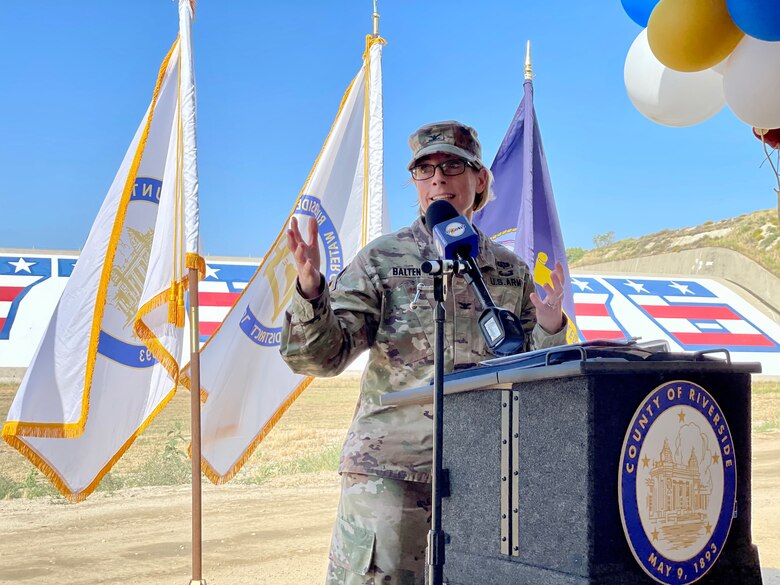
(384, 511)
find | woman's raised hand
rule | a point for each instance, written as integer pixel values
(307, 257)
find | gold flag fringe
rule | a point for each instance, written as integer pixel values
(215, 477)
(76, 429)
(209, 471)
(196, 261)
(184, 378)
(47, 470)
(149, 338)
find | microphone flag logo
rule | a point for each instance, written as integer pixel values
(455, 229)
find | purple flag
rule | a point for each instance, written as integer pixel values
(523, 217)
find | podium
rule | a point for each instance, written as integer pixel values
(557, 477)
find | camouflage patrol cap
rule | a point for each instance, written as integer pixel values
(451, 137)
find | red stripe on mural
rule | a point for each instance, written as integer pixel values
(217, 299)
(690, 312)
(208, 327)
(9, 293)
(589, 334)
(591, 310)
(2, 323)
(727, 339)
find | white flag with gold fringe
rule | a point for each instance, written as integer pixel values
(244, 381)
(110, 358)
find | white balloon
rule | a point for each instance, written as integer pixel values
(720, 68)
(751, 82)
(669, 97)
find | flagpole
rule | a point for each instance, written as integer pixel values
(189, 181)
(375, 20)
(197, 541)
(528, 70)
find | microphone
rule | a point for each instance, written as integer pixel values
(453, 235)
(456, 241)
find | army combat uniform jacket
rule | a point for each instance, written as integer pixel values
(368, 307)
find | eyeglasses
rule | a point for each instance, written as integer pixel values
(449, 168)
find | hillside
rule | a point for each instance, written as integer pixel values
(755, 235)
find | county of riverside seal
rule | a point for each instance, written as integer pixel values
(677, 483)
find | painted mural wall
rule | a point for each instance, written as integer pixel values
(692, 314)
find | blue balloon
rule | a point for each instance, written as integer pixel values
(758, 18)
(639, 10)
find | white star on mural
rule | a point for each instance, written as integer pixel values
(683, 288)
(582, 284)
(22, 265)
(211, 272)
(636, 286)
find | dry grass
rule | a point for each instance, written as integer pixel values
(766, 407)
(756, 235)
(306, 439)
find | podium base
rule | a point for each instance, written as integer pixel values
(736, 566)
(566, 525)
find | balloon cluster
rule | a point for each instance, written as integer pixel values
(769, 137)
(695, 56)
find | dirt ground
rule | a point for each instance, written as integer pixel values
(275, 533)
(271, 534)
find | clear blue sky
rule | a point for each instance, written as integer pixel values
(78, 76)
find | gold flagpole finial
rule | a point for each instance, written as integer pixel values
(375, 18)
(528, 70)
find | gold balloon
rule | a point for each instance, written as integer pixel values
(692, 35)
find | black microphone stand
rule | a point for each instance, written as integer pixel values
(436, 537)
(473, 278)
(510, 330)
